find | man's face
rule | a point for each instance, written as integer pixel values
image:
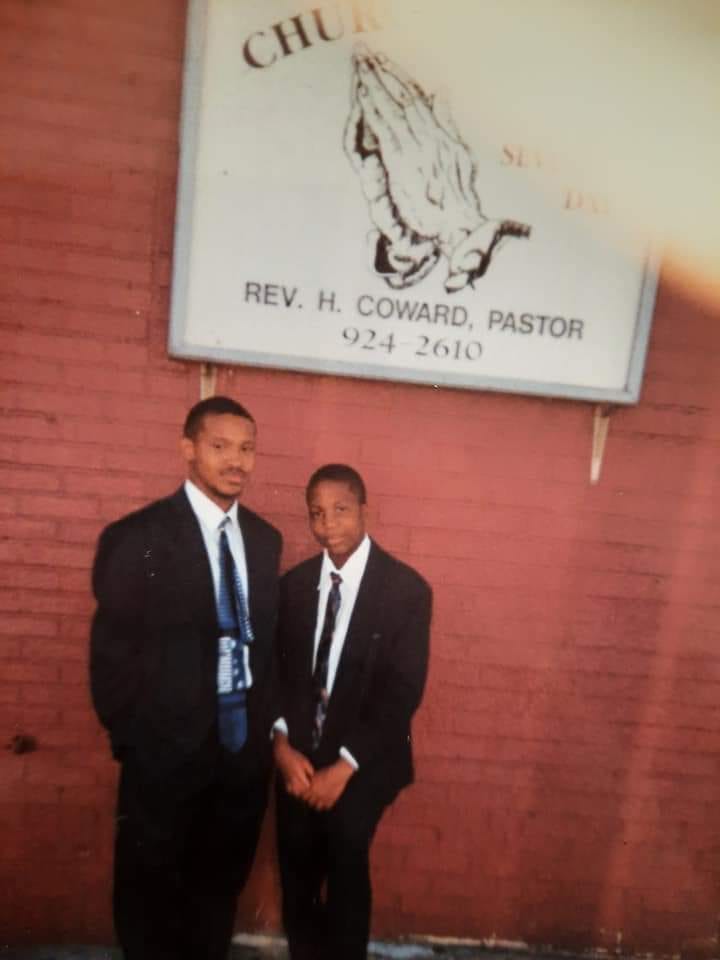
(221, 456)
(337, 519)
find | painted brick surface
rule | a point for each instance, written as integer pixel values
(568, 748)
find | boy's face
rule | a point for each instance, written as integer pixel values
(337, 519)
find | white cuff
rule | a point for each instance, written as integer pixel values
(279, 727)
(346, 755)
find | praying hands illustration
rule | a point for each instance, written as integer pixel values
(418, 177)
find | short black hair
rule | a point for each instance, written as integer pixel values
(217, 405)
(337, 473)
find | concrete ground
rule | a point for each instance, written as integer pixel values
(273, 948)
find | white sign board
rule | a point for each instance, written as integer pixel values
(343, 210)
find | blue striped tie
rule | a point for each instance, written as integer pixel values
(235, 634)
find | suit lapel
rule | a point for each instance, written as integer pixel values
(195, 575)
(306, 612)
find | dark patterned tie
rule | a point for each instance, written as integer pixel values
(235, 633)
(320, 674)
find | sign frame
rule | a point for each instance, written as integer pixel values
(180, 345)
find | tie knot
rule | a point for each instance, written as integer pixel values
(224, 524)
(336, 579)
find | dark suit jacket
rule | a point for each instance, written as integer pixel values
(380, 676)
(153, 652)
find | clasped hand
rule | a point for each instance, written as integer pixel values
(418, 177)
(319, 789)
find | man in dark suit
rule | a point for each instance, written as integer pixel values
(180, 665)
(353, 642)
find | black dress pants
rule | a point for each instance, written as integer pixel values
(184, 847)
(325, 873)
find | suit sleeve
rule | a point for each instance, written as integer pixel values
(397, 682)
(268, 681)
(280, 702)
(117, 630)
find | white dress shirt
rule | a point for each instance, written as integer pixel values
(210, 516)
(351, 574)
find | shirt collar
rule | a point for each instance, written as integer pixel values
(353, 568)
(206, 510)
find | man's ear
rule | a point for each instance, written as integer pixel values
(369, 515)
(187, 449)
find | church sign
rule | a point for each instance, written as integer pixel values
(344, 209)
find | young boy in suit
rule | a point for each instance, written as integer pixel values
(353, 642)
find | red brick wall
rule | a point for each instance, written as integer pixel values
(568, 746)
